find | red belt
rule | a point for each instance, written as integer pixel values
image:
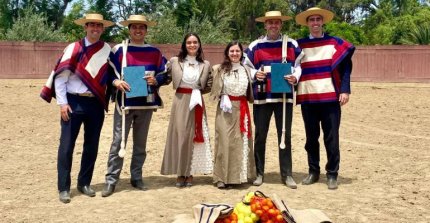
(198, 117)
(244, 110)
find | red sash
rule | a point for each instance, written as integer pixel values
(198, 117)
(244, 110)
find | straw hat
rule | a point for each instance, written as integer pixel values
(94, 17)
(272, 15)
(302, 17)
(137, 19)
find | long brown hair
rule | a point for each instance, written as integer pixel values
(226, 64)
(184, 52)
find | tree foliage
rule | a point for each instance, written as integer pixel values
(219, 21)
(31, 26)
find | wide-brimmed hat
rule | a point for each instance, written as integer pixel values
(94, 17)
(137, 19)
(273, 15)
(302, 17)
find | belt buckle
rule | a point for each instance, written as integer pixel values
(87, 94)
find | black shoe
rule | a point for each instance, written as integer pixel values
(138, 184)
(311, 178)
(108, 190)
(65, 196)
(87, 190)
(332, 183)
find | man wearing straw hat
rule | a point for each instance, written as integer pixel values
(259, 56)
(322, 89)
(79, 82)
(138, 53)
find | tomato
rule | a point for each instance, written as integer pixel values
(270, 203)
(264, 217)
(259, 212)
(233, 217)
(279, 218)
(272, 212)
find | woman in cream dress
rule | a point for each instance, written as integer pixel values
(234, 159)
(187, 150)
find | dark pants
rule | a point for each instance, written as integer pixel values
(328, 114)
(89, 111)
(262, 116)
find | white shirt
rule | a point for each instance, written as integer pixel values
(236, 81)
(68, 82)
(191, 73)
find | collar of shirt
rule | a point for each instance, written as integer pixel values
(312, 37)
(87, 43)
(267, 38)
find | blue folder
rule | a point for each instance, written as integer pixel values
(134, 77)
(279, 84)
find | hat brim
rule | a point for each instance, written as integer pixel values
(265, 18)
(128, 22)
(302, 17)
(83, 21)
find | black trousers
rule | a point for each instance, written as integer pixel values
(88, 111)
(328, 114)
(262, 116)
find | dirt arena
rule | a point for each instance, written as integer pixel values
(384, 173)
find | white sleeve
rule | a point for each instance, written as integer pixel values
(61, 87)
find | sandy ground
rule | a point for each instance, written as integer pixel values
(384, 174)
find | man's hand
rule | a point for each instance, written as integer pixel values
(291, 79)
(260, 75)
(121, 85)
(343, 98)
(151, 80)
(65, 110)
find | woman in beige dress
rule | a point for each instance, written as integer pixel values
(187, 150)
(234, 160)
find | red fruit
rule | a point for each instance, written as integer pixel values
(265, 208)
(253, 207)
(264, 217)
(270, 203)
(258, 212)
(272, 212)
(233, 217)
(279, 218)
(227, 220)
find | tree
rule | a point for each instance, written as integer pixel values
(419, 34)
(72, 31)
(31, 26)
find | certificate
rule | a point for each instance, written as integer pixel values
(279, 84)
(134, 77)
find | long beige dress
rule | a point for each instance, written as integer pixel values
(182, 156)
(234, 155)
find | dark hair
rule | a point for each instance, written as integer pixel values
(226, 64)
(183, 52)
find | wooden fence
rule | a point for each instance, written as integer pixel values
(32, 60)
